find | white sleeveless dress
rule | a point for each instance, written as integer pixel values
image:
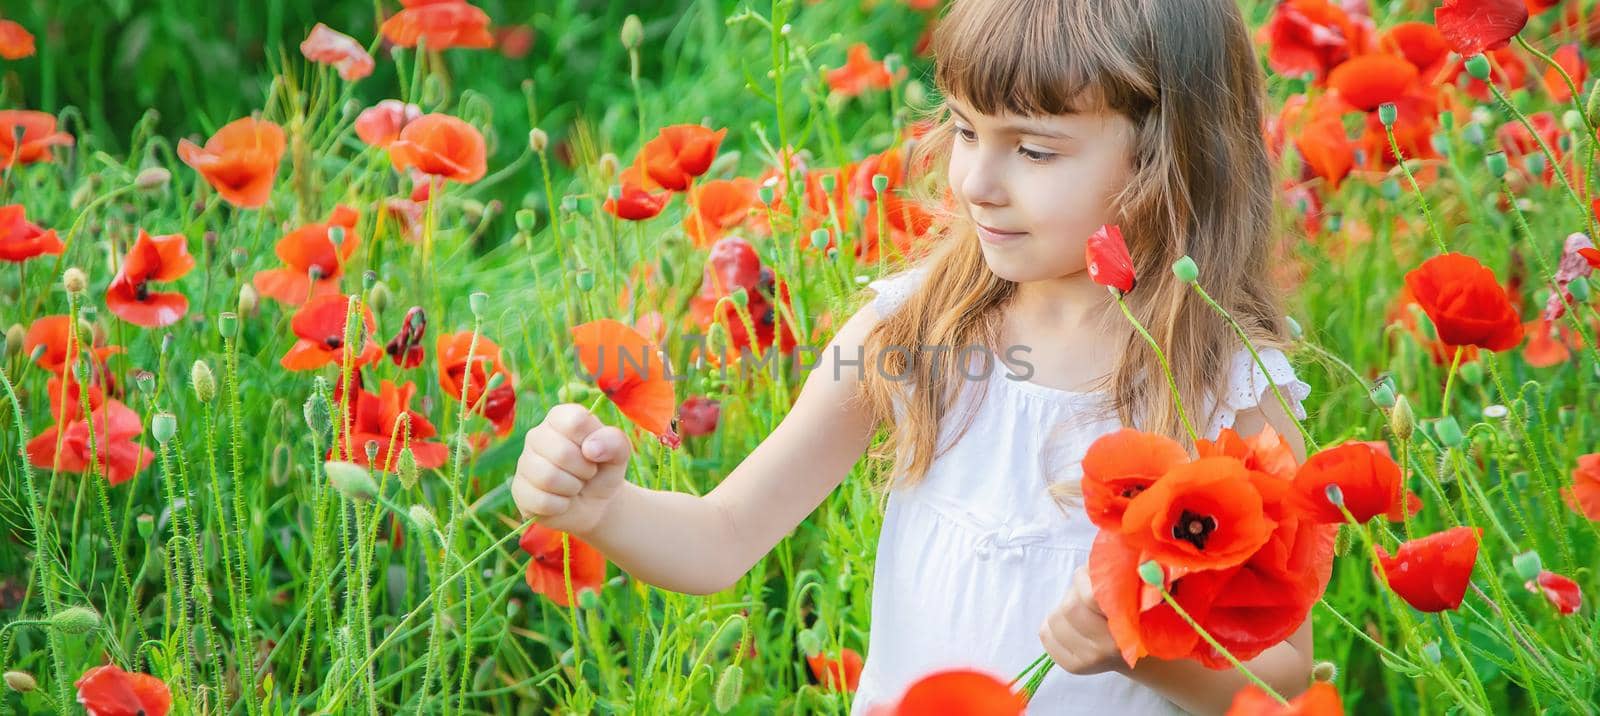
(971, 560)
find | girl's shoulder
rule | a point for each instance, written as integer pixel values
(892, 290)
(1249, 383)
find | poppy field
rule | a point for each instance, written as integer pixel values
(274, 333)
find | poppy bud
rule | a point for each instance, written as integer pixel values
(316, 412)
(728, 687)
(1150, 572)
(146, 525)
(740, 297)
(432, 90)
(1536, 164)
(1386, 113)
(406, 467)
(1527, 564)
(538, 140)
(632, 32)
(237, 257)
(75, 281)
(1441, 144)
(1324, 671)
(1496, 162)
(152, 178)
(278, 465)
(1495, 412)
(717, 340)
(76, 620)
(228, 324)
(371, 449)
(820, 238)
(1186, 270)
(1478, 67)
(15, 336)
(162, 427)
(1341, 541)
(249, 300)
(378, 296)
(587, 599)
(1401, 421)
(527, 219)
(1430, 650)
(1473, 133)
(422, 518)
(351, 480)
(585, 280)
(609, 165)
(1579, 288)
(145, 380)
(809, 642)
(80, 197)
(1572, 120)
(20, 681)
(1448, 431)
(475, 302)
(1335, 494)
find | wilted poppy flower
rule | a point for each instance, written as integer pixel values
(1583, 495)
(827, 670)
(500, 406)
(698, 415)
(306, 252)
(1204, 514)
(152, 259)
(1431, 573)
(62, 344)
(240, 161)
(21, 239)
(1473, 26)
(15, 41)
(1109, 261)
(328, 46)
(677, 155)
(1312, 36)
(405, 349)
(1319, 700)
(1467, 305)
(442, 146)
(380, 124)
(630, 372)
(39, 134)
(439, 24)
(547, 571)
(1367, 478)
(716, 206)
(955, 692)
(636, 204)
(860, 73)
(116, 426)
(1120, 465)
(1563, 593)
(376, 418)
(1549, 343)
(320, 328)
(109, 691)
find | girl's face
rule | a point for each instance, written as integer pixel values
(1037, 187)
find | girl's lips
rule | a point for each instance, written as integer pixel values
(992, 236)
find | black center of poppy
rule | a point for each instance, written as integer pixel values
(1132, 491)
(332, 343)
(141, 291)
(1194, 529)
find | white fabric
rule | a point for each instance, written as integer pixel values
(971, 560)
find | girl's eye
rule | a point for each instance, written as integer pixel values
(966, 135)
(1034, 156)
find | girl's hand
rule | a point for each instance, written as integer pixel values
(571, 467)
(1076, 635)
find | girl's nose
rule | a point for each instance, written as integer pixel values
(984, 183)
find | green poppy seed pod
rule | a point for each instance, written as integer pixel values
(828, 182)
(351, 480)
(1335, 494)
(880, 182)
(475, 301)
(614, 192)
(729, 685)
(76, 620)
(237, 256)
(163, 426)
(433, 90)
(1440, 144)
(406, 468)
(20, 681)
(75, 281)
(316, 413)
(819, 238)
(1473, 133)
(145, 380)
(1496, 162)
(1579, 289)
(378, 297)
(740, 297)
(1448, 431)
(1324, 671)
(1478, 67)
(583, 204)
(1401, 420)
(422, 518)
(1430, 650)
(587, 599)
(1572, 120)
(1527, 565)
(1386, 113)
(576, 392)
(809, 642)
(249, 299)
(527, 220)
(1150, 572)
(766, 194)
(1471, 372)
(371, 449)
(610, 165)
(585, 280)
(538, 139)
(632, 34)
(16, 336)
(1186, 270)
(495, 381)
(152, 178)
(1383, 395)
(336, 235)
(228, 324)
(146, 524)
(1389, 189)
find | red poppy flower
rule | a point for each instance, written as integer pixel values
(907, 221)
(380, 124)
(1120, 465)
(1583, 495)
(1109, 261)
(1265, 451)
(889, 162)
(21, 239)
(1570, 58)
(514, 42)
(1473, 26)
(1367, 81)
(630, 372)
(955, 692)
(376, 418)
(1520, 144)
(547, 571)
(240, 161)
(1366, 476)
(405, 349)
(110, 691)
(636, 204)
(39, 134)
(500, 406)
(442, 146)
(61, 344)
(731, 265)
(860, 73)
(328, 46)
(1421, 44)
(1319, 136)
(1204, 514)
(1549, 343)
(439, 24)
(15, 41)
(698, 415)
(320, 328)
(716, 206)
(119, 457)
(306, 251)
(1467, 304)
(828, 669)
(1252, 607)
(1312, 36)
(1563, 593)
(152, 258)
(1319, 700)
(677, 155)
(1431, 573)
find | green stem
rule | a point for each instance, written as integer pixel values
(1166, 368)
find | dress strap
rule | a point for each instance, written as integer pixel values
(1249, 386)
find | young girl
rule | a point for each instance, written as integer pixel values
(1063, 115)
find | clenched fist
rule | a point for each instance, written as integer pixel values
(571, 467)
(1076, 635)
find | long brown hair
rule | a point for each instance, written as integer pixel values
(1187, 77)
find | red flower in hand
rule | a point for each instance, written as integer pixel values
(110, 691)
(152, 258)
(1431, 573)
(547, 571)
(612, 353)
(1473, 26)
(1466, 303)
(1109, 261)
(1119, 466)
(1367, 478)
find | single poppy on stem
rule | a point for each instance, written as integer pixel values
(109, 691)
(152, 259)
(1431, 573)
(629, 372)
(240, 161)
(549, 570)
